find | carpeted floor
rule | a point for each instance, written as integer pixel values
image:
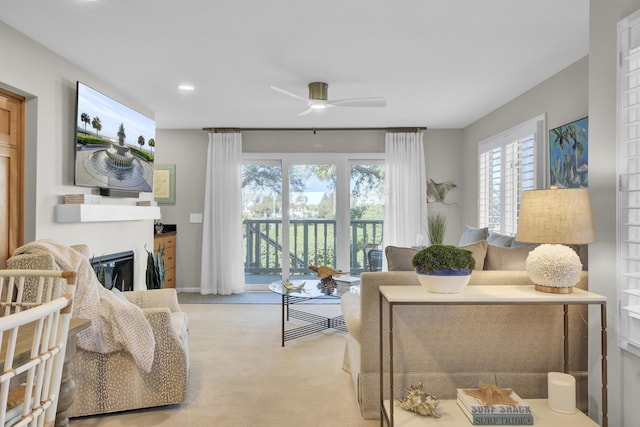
(241, 376)
(259, 297)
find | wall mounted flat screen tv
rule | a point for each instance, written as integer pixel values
(114, 145)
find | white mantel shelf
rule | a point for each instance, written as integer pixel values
(105, 213)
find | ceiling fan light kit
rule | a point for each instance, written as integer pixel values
(318, 90)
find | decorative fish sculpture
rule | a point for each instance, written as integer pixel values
(324, 271)
(436, 191)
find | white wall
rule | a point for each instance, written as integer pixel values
(187, 149)
(443, 152)
(624, 368)
(48, 82)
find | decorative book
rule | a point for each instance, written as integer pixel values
(347, 280)
(89, 199)
(498, 414)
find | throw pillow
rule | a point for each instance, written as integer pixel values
(479, 250)
(471, 234)
(515, 243)
(399, 259)
(501, 258)
(499, 239)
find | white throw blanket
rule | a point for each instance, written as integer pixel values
(115, 323)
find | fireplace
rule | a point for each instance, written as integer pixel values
(115, 270)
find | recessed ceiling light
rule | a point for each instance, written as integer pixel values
(186, 88)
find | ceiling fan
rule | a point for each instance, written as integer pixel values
(318, 99)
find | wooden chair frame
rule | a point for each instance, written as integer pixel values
(34, 315)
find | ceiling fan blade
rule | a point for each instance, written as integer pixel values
(305, 112)
(286, 92)
(358, 102)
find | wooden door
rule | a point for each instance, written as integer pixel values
(11, 173)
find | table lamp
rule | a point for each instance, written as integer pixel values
(555, 217)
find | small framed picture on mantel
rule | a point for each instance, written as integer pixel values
(164, 183)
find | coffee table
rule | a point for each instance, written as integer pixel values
(311, 290)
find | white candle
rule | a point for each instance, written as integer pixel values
(562, 392)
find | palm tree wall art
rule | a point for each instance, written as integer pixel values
(568, 154)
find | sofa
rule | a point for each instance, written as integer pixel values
(113, 382)
(449, 347)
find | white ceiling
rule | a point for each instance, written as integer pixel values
(438, 63)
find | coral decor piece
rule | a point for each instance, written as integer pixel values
(492, 395)
(327, 283)
(420, 402)
(554, 266)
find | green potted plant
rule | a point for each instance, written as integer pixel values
(444, 268)
(437, 225)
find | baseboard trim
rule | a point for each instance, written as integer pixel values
(188, 289)
(252, 287)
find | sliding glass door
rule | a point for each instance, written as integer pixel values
(366, 214)
(298, 213)
(262, 220)
(312, 219)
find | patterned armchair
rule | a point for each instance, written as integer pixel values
(113, 382)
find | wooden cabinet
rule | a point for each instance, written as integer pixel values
(168, 242)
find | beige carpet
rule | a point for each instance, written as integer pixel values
(241, 376)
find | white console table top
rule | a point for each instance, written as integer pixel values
(488, 295)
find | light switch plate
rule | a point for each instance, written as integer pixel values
(195, 218)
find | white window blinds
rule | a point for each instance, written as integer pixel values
(506, 168)
(628, 213)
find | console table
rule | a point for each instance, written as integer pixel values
(452, 416)
(487, 295)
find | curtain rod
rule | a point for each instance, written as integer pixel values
(314, 130)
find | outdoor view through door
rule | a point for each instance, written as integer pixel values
(296, 214)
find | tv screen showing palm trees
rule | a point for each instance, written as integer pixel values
(114, 144)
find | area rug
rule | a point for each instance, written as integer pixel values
(241, 376)
(258, 297)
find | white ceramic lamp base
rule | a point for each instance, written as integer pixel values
(554, 268)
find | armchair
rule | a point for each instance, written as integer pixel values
(112, 382)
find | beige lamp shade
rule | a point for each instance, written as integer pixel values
(560, 216)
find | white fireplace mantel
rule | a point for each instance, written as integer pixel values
(105, 213)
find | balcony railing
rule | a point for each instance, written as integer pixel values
(312, 241)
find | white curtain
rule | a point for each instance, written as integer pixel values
(405, 213)
(222, 269)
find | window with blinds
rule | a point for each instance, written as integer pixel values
(628, 196)
(507, 167)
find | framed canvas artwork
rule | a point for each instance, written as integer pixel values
(569, 154)
(164, 183)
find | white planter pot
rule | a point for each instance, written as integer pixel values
(441, 283)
